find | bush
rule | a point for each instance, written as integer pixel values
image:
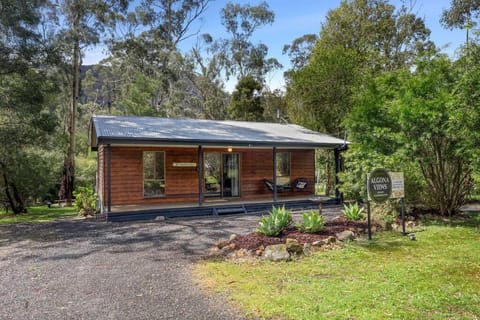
(85, 201)
(274, 224)
(353, 212)
(312, 222)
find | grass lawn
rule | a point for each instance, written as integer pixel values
(390, 277)
(37, 214)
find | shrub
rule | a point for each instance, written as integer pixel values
(277, 221)
(312, 222)
(85, 200)
(353, 212)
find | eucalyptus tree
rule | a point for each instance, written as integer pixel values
(242, 57)
(463, 15)
(81, 24)
(147, 55)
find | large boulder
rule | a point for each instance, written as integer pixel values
(276, 252)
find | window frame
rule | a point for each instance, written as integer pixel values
(161, 195)
(280, 177)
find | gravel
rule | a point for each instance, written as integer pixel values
(79, 269)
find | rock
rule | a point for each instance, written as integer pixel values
(345, 235)
(330, 239)
(293, 247)
(318, 243)
(410, 224)
(276, 252)
(307, 249)
(241, 253)
(232, 237)
(259, 251)
(324, 242)
(222, 243)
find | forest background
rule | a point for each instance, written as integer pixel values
(371, 74)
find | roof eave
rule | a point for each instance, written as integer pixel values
(194, 142)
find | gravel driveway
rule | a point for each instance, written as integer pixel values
(97, 270)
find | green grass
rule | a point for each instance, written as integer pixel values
(37, 214)
(391, 277)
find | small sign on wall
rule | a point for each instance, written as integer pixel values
(185, 164)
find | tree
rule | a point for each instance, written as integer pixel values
(419, 115)
(360, 38)
(82, 23)
(26, 120)
(300, 50)
(462, 14)
(240, 56)
(148, 54)
(246, 103)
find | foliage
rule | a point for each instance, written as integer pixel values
(239, 55)
(358, 39)
(86, 169)
(38, 214)
(461, 14)
(277, 221)
(246, 103)
(421, 115)
(444, 284)
(85, 201)
(353, 212)
(312, 222)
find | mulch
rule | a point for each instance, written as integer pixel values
(254, 241)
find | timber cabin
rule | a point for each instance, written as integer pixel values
(150, 166)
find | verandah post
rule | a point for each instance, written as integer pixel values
(109, 181)
(200, 174)
(274, 174)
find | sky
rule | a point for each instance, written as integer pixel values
(294, 18)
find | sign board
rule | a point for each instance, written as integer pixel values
(379, 185)
(185, 164)
(398, 185)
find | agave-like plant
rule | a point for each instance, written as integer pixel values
(353, 212)
(312, 222)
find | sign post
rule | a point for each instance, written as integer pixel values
(383, 185)
(379, 188)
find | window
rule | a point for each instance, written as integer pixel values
(283, 168)
(153, 174)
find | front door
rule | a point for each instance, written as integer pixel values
(221, 175)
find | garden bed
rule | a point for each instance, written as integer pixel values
(254, 240)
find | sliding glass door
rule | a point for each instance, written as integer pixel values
(221, 175)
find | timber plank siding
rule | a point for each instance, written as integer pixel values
(181, 183)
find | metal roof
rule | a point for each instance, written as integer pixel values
(127, 130)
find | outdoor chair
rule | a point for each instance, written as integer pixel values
(280, 188)
(300, 184)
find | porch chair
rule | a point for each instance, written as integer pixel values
(300, 184)
(280, 188)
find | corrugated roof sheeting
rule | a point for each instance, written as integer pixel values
(158, 131)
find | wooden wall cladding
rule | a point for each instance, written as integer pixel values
(181, 183)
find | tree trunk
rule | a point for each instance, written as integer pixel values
(68, 177)
(14, 199)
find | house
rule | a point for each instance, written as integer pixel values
(149, 163)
